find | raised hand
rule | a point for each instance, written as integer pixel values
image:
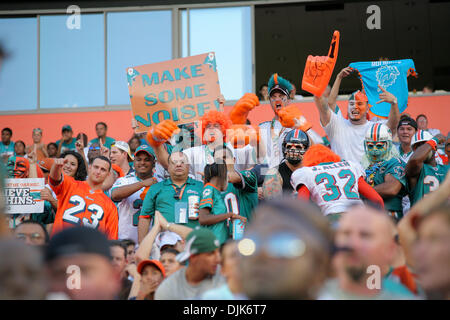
(162, 132)
(386, 96)
(59, 162)
(104, 151)
(79, 145)
(318, 69)
(243, 106)
(241, 135)
(345, 72)
(291, 117)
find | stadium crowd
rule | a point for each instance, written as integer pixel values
(273, 211)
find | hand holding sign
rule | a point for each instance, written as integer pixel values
(162, 132)
(291, 117)
(243, 106)
(386, 96)
(318, 69)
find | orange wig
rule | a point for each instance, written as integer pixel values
(318, 154)
(214, 116)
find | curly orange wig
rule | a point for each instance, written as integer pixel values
(214, 116)
(318, 154)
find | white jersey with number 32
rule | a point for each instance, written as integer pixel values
(333, 186)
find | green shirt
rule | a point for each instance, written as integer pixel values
(67, 146)
(429, 180)
(161, 197)
(242, 198)
(108, 142)
(376, 174)
(212, 198)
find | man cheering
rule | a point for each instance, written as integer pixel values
(84, 202)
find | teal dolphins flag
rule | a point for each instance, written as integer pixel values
(392, 76)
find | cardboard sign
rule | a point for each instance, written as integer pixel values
(23, 195)
(182, 90)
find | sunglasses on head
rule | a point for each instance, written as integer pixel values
(94, 148)
(283, 245)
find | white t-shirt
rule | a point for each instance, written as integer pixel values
(346, 139)
(200, 156)
(128, 208)
(333, 187)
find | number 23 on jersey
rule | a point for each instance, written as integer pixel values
(70, 215)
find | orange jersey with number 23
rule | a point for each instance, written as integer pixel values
(78, 205)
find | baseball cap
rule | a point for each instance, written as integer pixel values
(200, 240)
(147, 149)
(66, 128)
(407, 121)
(46, 164)
(37, 130)
(77, 240)
(122, 145)
(278, 83)
(156, 263)
(168, 238)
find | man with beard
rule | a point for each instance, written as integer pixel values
(365, 239)
(295, 144)
(423, 173)
(384, 171)
(347, 135)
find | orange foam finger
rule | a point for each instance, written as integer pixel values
(318, 69)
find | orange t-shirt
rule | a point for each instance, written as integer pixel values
(79, 205)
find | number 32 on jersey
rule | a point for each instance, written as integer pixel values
(332, 185)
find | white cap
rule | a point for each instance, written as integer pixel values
(167, 238)
(122, 145)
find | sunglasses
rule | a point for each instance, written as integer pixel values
(378, 145)
(94, 148)
(33, 236)
(281, 245)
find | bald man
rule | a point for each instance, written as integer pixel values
(363, 265)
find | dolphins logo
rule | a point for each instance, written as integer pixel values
(211, 61)
(131, 75)
(387, 75)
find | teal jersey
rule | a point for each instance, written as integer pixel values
(163, 196)
(242, 198)
(67, 146)
(108, 142)
(7, 150)
(429, 180)
(212, 198)
(47, 217)
(376, 173)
